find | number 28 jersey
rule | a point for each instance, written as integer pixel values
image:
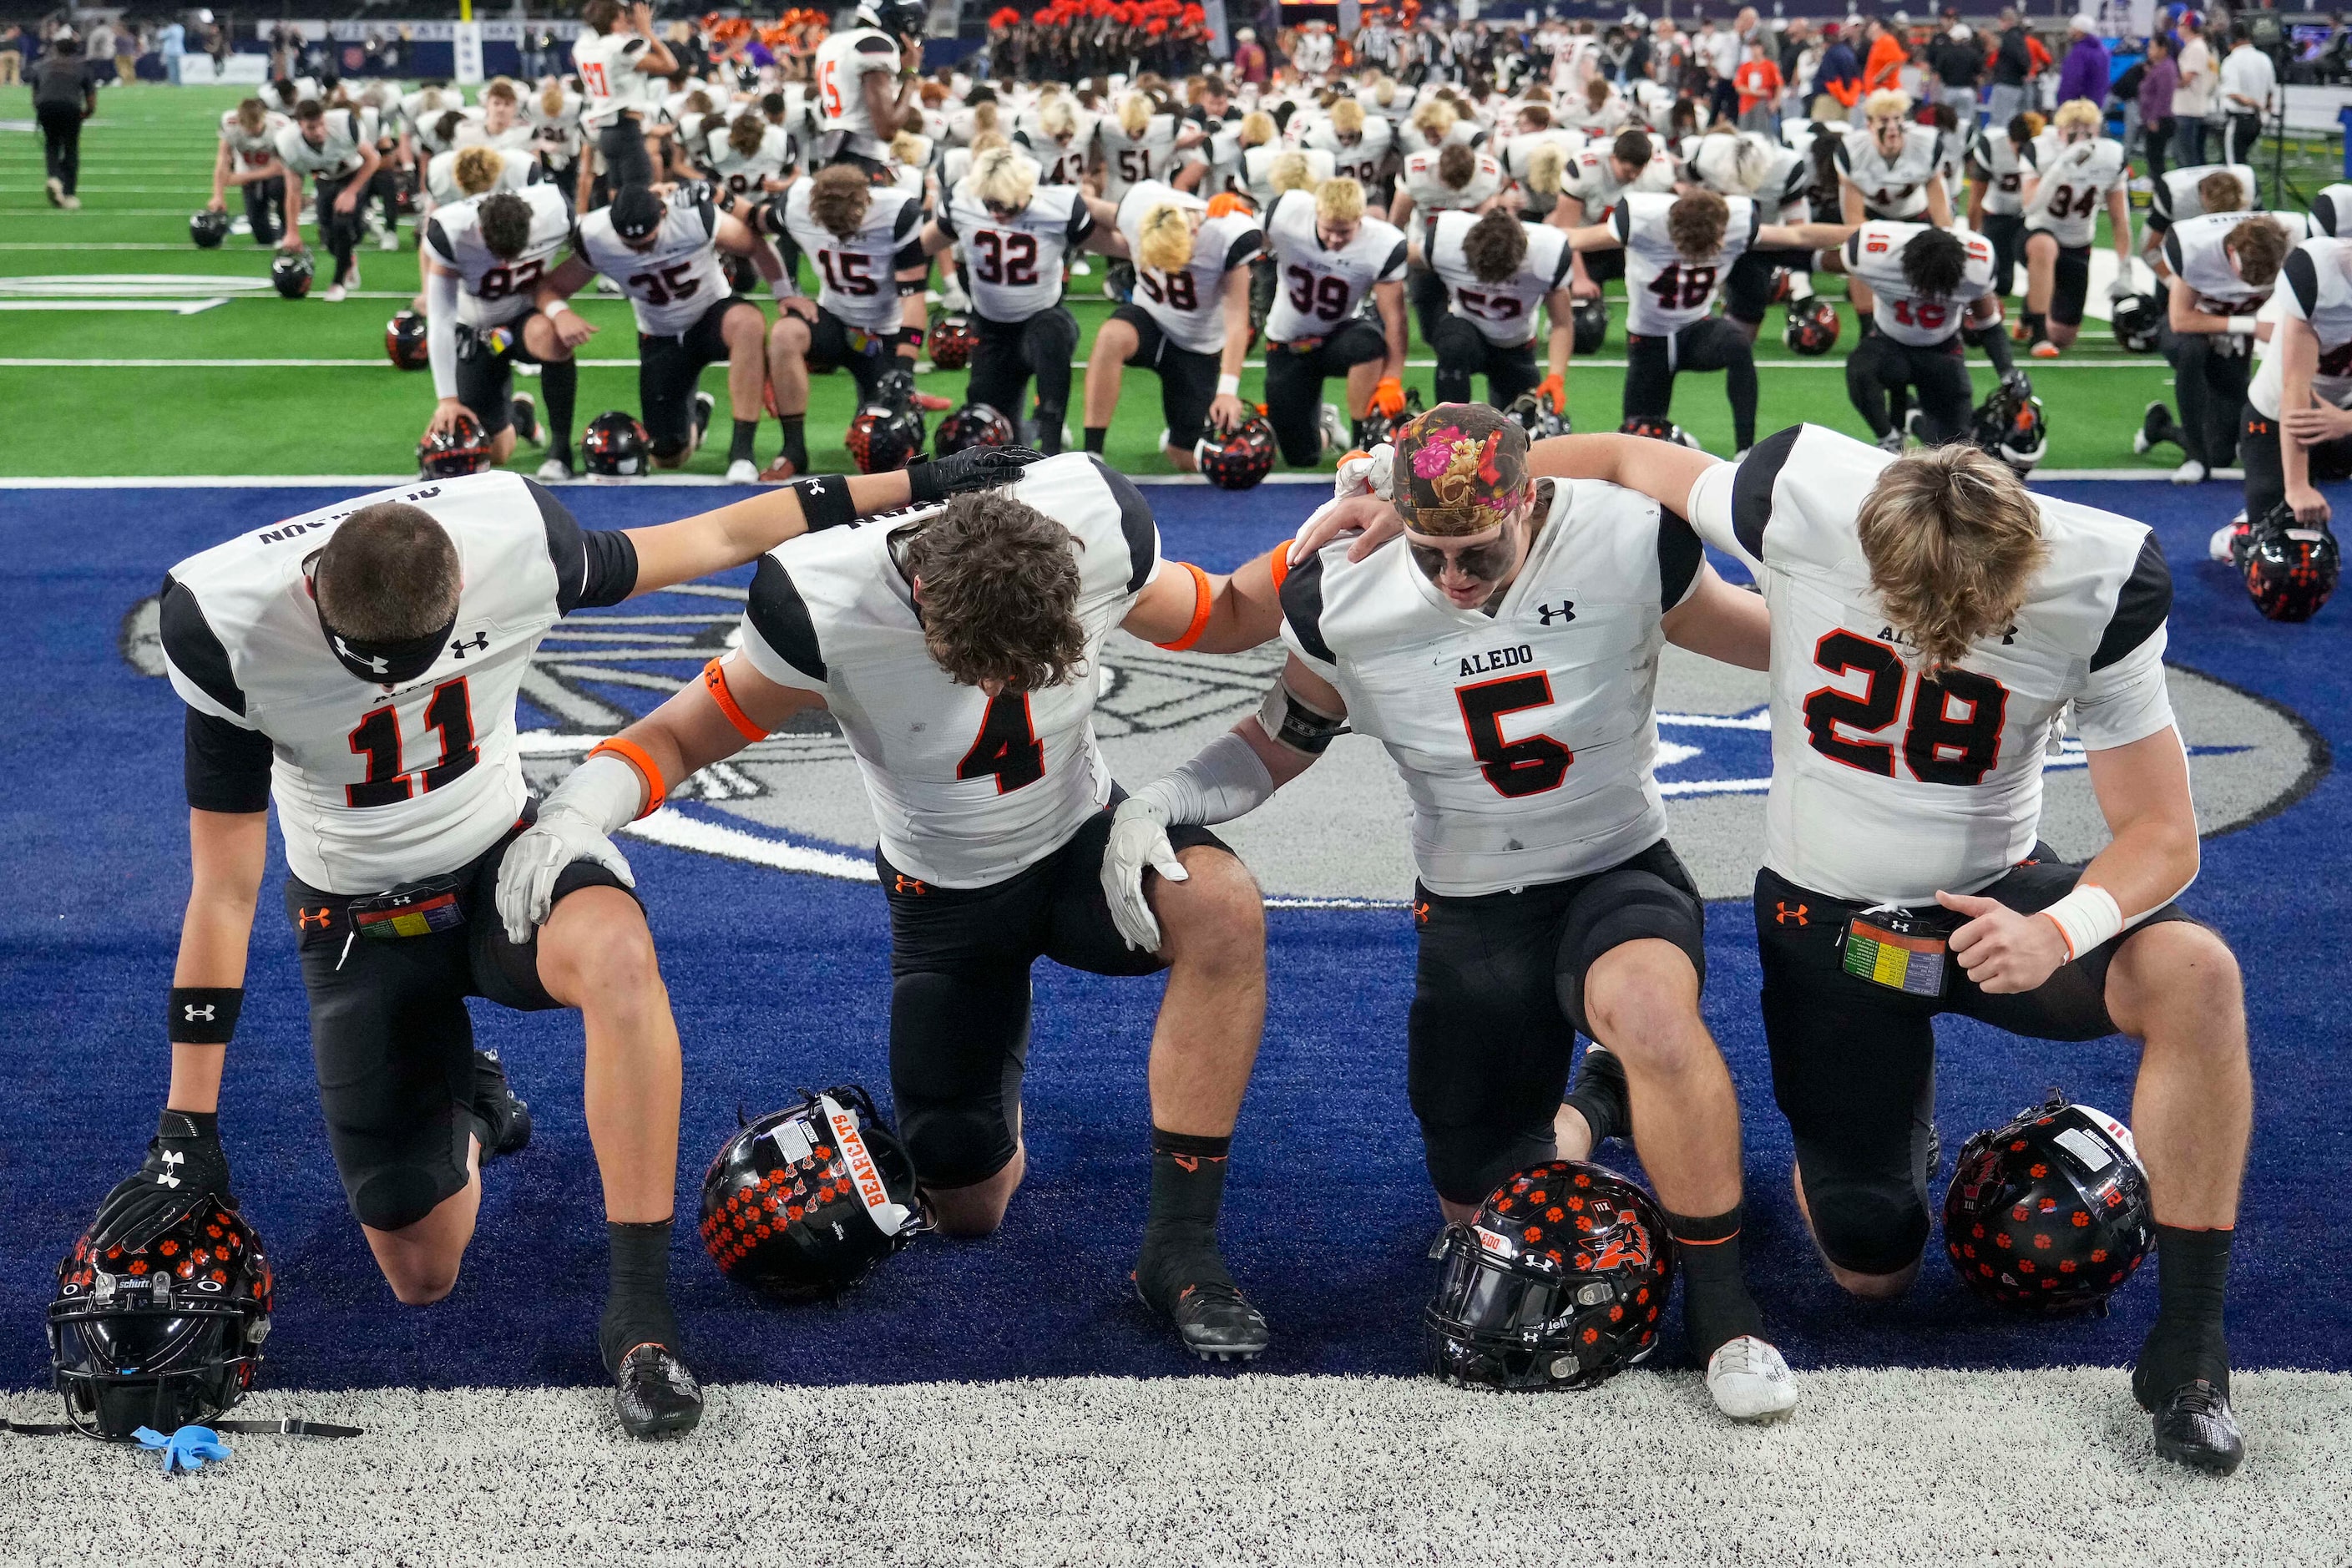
(1318, 288)
(966, 789)
(1526, 739)
(1664, 290)
(1888, 785)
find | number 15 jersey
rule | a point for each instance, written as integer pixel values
(1888, 785)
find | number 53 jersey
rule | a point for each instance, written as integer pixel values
(1526, 739)
(1889, 784)
(966, 788)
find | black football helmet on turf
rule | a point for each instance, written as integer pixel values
(1591, 325)
(452, 453)
(165, 1335)
(951, 343)
(1377, 428)
(208, 228)
(291, 273)
(974, 424)
(883, 437)
(1658, 429)
(2137, 319)
(2291, 569)
(1557, 1283)
(616, 446)
(1813, 326)
(1535, 416)
(2049, 1214)
(2010, 425)
(803, 1204)
(404, 342)
(1239, 458)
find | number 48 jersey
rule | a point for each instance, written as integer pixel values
(1664, 290)
(1320, 287)
(1874, 253)
(1888, 784)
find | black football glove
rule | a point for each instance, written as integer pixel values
(185, 1165)
(973, 468)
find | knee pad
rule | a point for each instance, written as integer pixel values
(1868, 1224)
(665, 448)
(953, 1143)
(1466, 1164)
(395, 1197)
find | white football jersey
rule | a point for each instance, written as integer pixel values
(1886, 786)
(515, 138)
(1664, 290)
(2194, 253)
(1128, 160)
(1713, 161)
(859, 274)
(1360, 159)
(2075, 186)
(672, 281)
(842, 62)
(1895, 188)
(1059, 164)
(1505, 313)
(375, 787)
(966, 789)
(607, 67)
(2004, 168)
(1319, 288)
(258, 150)
(1432, 195)
(1526, 739)
(1592, 180)
(337, 154)
(1874, 253)
(563, 127)
(516, 169)
(1013, 267)
(2175, 196)
(2317, 279)
(492, 291)
(747, 175)
(1189, 306)
(2331, 211)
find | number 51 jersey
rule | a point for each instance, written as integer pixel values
(1888, 785)
(1526, 739)
(966, 788)
(377, 786)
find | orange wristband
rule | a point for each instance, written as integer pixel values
(1203, 599)
(714, 680)
(636, 757)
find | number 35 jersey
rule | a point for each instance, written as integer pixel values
(376, 786)
(1888, 785)
(966, 789)
(672, 281)
(1319, 286)
(1526, 739)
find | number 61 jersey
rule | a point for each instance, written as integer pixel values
(1526, 739)
(966, 788)
(376, 786)
(1889, 784)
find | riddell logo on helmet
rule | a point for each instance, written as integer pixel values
(860, 1163)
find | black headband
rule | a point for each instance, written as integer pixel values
(386, 663)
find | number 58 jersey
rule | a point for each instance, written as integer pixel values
(1526, 739)
(966, 788)
(1887, 783)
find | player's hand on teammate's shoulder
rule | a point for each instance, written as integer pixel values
(973, 468)
(1372, 520)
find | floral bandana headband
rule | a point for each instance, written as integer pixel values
(1461, 469)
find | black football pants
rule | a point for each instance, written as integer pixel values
(1464, 354)
(339, 232)
(626, 163)
(2328, 463)
(1879, 366)
(61, 142)
(1010, 354)
(2212, 389)
(1652, 364)
(265, 209)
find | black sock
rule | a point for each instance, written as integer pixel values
(2037, 326)
(1716, 1306)
(1179, 1239)
(739, 450)
(560, 380)
(1994, 340)
(636, 1301)
(1599, 1096)
(1049, 430)
(795, 449)
(2192, 1274)
(1095, 434)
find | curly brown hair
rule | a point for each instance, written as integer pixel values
(997, 580)
(1696, 224)
(1494, 246)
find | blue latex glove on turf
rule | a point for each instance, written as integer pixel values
(185, 1449)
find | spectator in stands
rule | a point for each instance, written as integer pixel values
(1882, 71)
(1840, 73)
(2088, 70)
(1956, 61)
(2012, 68)
(1759, 80)
(2194, 99)
(2158, 84)
(1249, 59)
(63, 97)
(12, 54)
(2248, 80)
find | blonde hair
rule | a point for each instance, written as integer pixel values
(1339, 200)
(252, 114)
(1135, 115)
(1164, 239)
(1056, 119)
(1953, 539)
(1384, 91)
(551, 99)
(2076, 112)
(1002, 177)
(1348, 117)
(910, 149)
(1435, 120)
(984, 119)
(1547, 168)
(478, 169)
(1257, 129)
(1887, 101)
(987, 141)
(1290, 172)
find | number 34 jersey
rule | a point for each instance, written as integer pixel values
(1526, 738)
(376, 786)
(1888, 785)
(966, 788)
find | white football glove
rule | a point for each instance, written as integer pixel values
(1139, 838)
(1368, 474)
(574, 824)
(2120, 288)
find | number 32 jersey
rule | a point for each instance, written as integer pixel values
(1887, 784)
(377, 787)
(1526, 739)
(966, 789)
(1013, 266)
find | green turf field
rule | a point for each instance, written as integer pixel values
(263, 385)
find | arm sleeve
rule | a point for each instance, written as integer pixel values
(226, 765)
(2125, 701)
(2301, 295)
(1621, 219)
(1246, 248)
(194, 657)
(593, 567)
(441, 332)
(1393, 269)
(2172, 249)
(1082, 222)
(1680, 556)
(2322, 212)
(779, 633)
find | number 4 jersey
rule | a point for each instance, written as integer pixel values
(1887, 784)
(1526, 739)
(966, 788)
(375, 787)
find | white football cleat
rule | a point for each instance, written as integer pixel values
(1750, 1382)
(556, 471)
(1335, 433)
(2218, 547)
(2192, 472)
(742, 471)
(388, 241)
(335, 295)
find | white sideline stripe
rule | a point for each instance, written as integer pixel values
(384, 481)
(673, 827)
(1885, 1468)
(168, 307)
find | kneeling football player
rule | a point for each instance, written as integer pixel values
(1546, 602)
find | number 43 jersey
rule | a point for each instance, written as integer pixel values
(1889, 784)
(966, 788)
(376, 786)
(1526, 739)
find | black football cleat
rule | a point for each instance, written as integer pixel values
(505, 1118)
(2194, 1426)
(525, 413)
(654, 1394)
(1214, 1320)
(2156, 427)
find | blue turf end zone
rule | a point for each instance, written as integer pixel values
(781, 981)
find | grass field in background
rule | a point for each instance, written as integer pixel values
(146, 165)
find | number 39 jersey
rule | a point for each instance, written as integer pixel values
(1320, 288)
(1874, 253)
(1189, 305)
(672, 281)
(493, 290)
(859, 273)
(966, 789)
(1526, 738)
(1664, 290)
(1888, 785)
(1013, 267)
(1505, 313)
(377, 787)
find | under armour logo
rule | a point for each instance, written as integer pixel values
(167, 1180)
(1420, 914)
(303, 919)
(174, 1157)
(1788, 915)
(481, 644)
(908, 885)
(192, 1013)
(376, 666)
(815, 486)
(1563, 611)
